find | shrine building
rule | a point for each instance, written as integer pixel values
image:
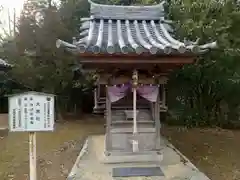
(133, 49)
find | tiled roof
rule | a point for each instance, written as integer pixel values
(129, 29)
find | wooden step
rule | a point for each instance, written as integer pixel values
(132, 158)
(130, 122)
(101, 102)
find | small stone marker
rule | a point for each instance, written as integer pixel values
(31, 112)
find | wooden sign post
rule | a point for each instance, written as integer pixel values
(31, 112)
(32, 156)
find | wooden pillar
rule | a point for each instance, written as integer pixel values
(95, 99)
(163, 95)
(98, 90)
(157, 123)
(108, 143)
(135, 131)
(152, 109)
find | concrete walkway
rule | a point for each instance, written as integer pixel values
(89, 164)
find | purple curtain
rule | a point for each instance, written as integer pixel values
(116, 93)
(148, 92)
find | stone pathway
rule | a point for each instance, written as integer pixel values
(90, 166)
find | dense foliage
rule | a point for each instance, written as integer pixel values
(205, 93)
(38, 64)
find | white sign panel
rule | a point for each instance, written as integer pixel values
(31, 111)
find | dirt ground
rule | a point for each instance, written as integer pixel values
(216, 152)
(56, 151)
(3, 121)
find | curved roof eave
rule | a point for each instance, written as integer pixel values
(117, 29)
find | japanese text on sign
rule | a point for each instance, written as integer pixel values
(31, 111)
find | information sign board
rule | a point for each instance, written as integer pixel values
(31, 112)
